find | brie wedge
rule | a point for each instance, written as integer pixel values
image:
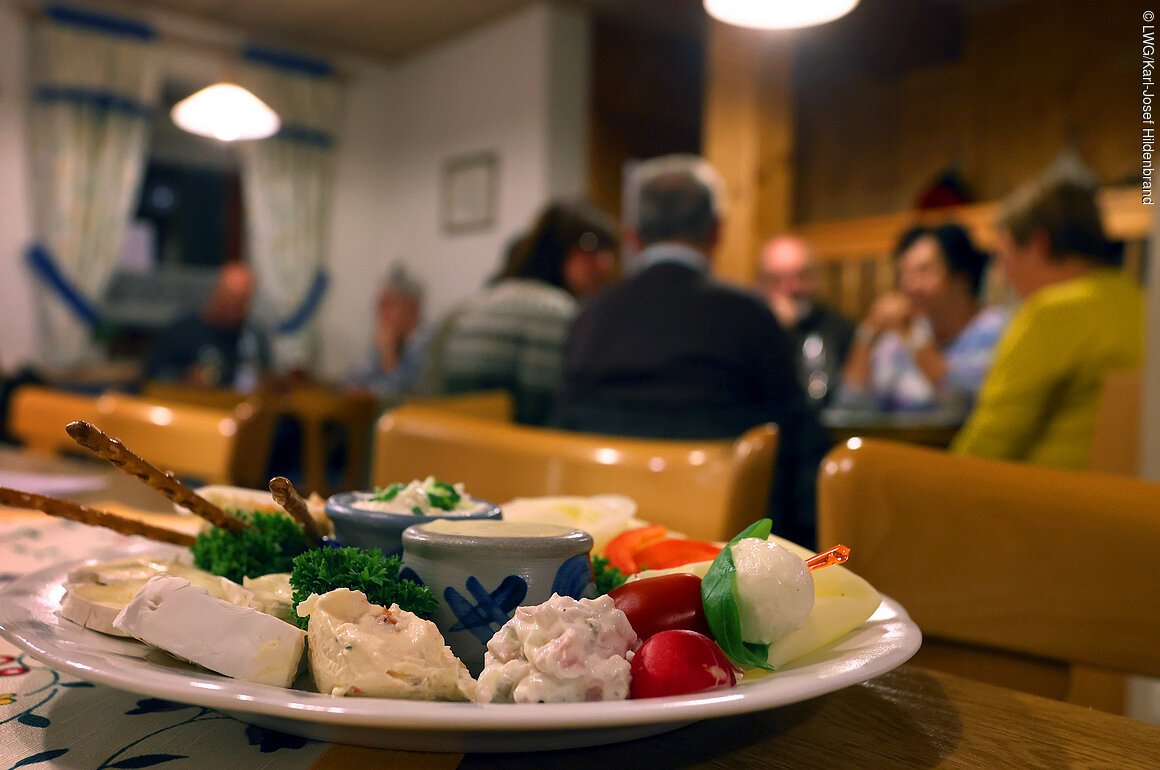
(96, 593)
(184, 620)
(96, 606)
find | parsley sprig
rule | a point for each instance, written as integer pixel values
(321, 570)
(268, 546)
(605, 576)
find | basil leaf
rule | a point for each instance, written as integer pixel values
(719, 595)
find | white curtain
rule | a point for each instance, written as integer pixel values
(286, 182)
(94, 84)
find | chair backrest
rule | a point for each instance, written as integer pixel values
(703, 489)
(999, 556)
(487, 404)
(1116, 438)
(198, 442)
(256, 431)
(321, 410)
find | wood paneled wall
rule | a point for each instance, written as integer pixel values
(1033, 76)
(749, 137)
(855, 254)
(646, 100)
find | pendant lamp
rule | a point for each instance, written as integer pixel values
(778, 14)
(227, 112)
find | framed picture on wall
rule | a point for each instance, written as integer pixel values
(470, 192)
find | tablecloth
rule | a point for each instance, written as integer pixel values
(49, 719)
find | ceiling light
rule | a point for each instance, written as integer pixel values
(227, 112)
(778, 14)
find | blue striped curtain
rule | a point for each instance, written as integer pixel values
(94, 86)
(287, 183)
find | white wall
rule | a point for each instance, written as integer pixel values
(516, 87)
(359, 245)
(17, 329)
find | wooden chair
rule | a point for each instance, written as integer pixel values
(202, 443)
(703, 489)
(1033, 578)
(1116, 439)
(487, 404)
(321, 411)
(256, 440)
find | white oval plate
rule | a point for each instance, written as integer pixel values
(29, 620)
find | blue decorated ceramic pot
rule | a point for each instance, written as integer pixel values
(482, 570)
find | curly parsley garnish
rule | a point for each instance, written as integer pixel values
(605, 576)
(270, 545)
(321, 570)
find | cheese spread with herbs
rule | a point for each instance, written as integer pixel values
(564, 650)
(359, 648)
(429, 497)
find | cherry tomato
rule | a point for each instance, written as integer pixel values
(677, 662)
(675, 552)
(662, 603)
(621, 548)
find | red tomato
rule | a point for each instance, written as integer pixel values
(662, 603)
(677, 662)
(621, 548)
(675, 552)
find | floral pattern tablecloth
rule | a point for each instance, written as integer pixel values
(53, 720)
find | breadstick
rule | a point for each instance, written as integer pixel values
(85, 515)
(92, 438)
(287, 496)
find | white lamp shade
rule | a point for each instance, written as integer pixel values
(778, 14)
(227, 112)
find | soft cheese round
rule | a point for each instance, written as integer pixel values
(775, 591)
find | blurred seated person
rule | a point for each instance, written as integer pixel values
(928, 344)
(392, 366)
(216, 347)
(820, 337)
(672, 353)
(511, 334)
(1081, 317)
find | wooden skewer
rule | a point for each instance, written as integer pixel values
(287, 496)
(92, 438)
(85, 515)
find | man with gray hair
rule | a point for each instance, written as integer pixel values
(391, 370)
(672, 353)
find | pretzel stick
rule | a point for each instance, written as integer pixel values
(85, 515)
(92, 438)
(287, 496)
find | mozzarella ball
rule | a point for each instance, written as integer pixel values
(775, 591)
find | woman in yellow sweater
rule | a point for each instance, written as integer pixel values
(1081, 317)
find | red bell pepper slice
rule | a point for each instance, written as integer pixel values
(675, 552)
(621, 549)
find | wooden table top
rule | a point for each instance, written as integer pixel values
(115, 485)
(934, 429)
(910, 717)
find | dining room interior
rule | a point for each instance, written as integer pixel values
(412, 242)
